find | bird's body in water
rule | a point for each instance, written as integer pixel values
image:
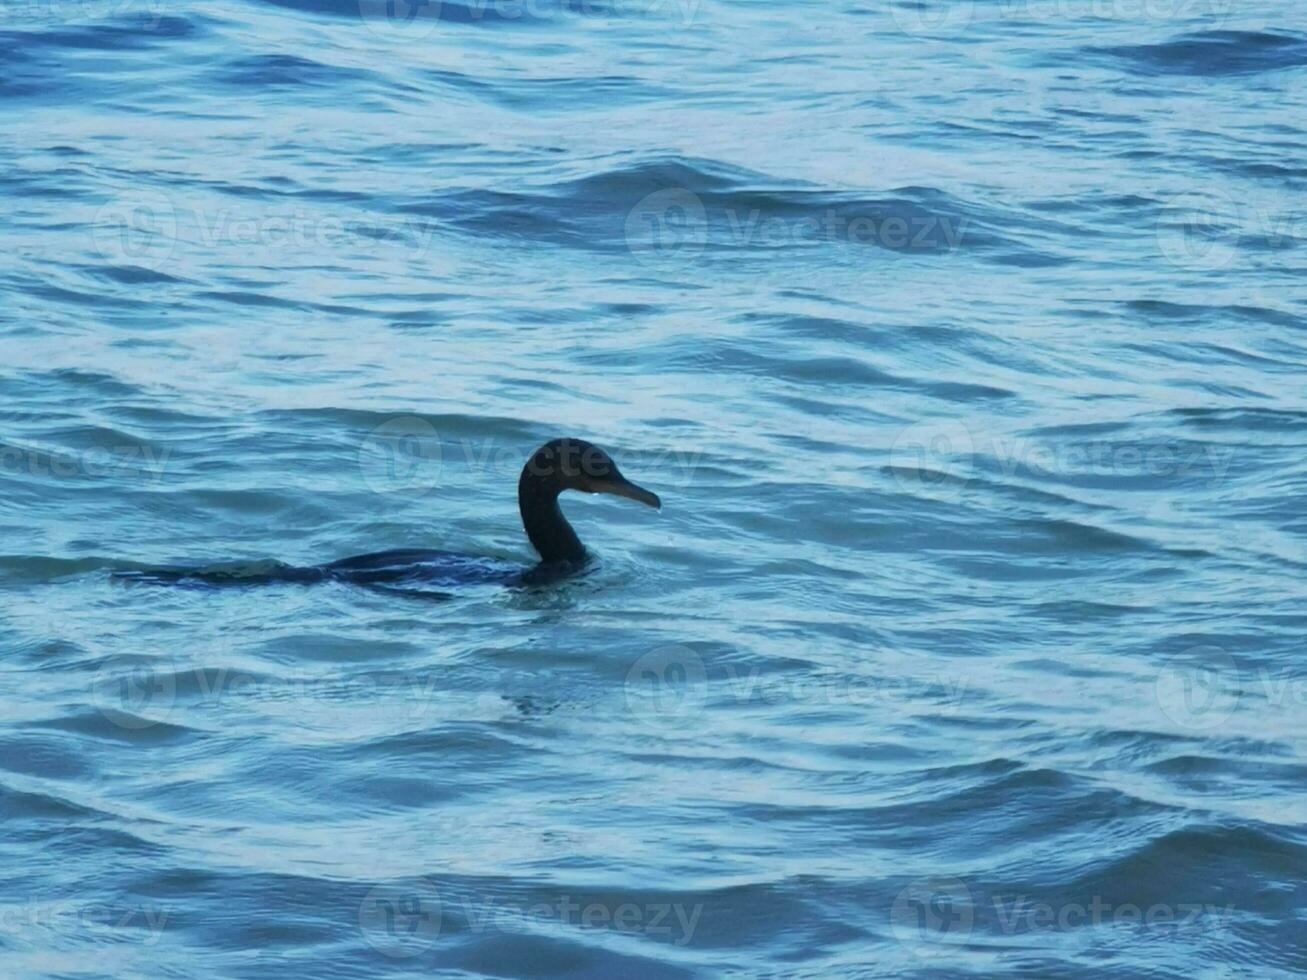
(557, 466)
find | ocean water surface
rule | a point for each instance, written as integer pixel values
(965, 343)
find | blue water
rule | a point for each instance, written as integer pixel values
(965, 343)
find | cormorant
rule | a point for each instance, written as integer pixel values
(557, 466)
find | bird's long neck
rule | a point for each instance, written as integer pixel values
(546, 527)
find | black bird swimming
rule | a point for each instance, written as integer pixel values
(557, 466)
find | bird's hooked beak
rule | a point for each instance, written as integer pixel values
(620, 486)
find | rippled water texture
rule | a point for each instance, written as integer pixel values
(964, 343)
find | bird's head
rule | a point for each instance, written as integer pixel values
(574, 464)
